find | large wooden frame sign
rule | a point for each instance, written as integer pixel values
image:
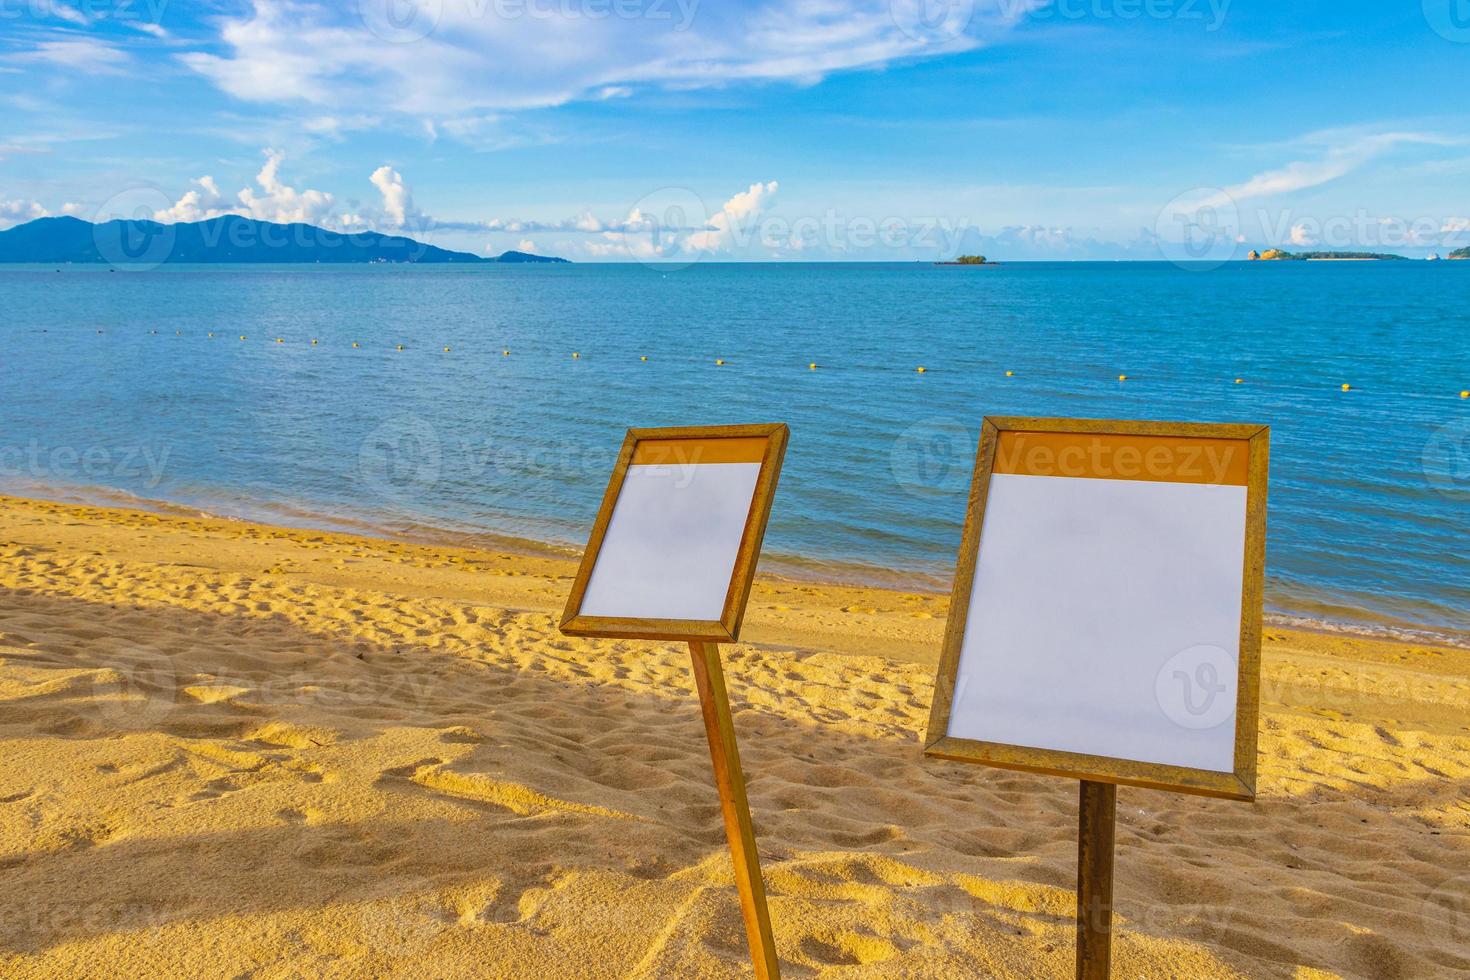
(1105, 622)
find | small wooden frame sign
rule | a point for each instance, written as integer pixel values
(1105, 623)
(671, 557)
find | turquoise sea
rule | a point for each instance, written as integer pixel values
(113, 390)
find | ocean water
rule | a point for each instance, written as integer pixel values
(111, 387)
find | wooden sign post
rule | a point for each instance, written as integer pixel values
(1105, 623)
(671, 556)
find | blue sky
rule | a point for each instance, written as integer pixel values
(780, 129)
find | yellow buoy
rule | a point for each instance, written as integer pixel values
(922, 370)
(812, 366)
(242, 336)
(1347, 387)
(313, 341)
(719, 362)
(279, 340)
(398, 347)
(211, 333)
(446, 350)
(354, 343)
(1240, 381)
(1010, 374)
(1122, 377)
(643, 358)
(1465, 394)
(575, 355)
(505, 353)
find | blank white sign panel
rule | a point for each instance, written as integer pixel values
(671, 545)
(1105, 619)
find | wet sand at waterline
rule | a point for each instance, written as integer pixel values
(238, 750)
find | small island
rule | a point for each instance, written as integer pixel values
(1461, 253)
(968, 260)
(1281, 255)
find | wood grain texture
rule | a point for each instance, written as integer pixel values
(714, 702)
(1097, 809)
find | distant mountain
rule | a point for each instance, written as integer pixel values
(1461, 253)
(230, 238)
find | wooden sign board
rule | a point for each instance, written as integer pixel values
(1105, 622)
(674, 547)
(671, 557)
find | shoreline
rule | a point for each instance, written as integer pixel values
(774, 568)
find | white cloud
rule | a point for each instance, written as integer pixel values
(460, 57)
(72, 14)
(274, 201)
(1344, 153)
(616, 245)
(280, 202)
(726, 225)
(525, 245)
(19, 212)
(1302, 235)
(200, 204)
(680, 227)
(77, 53)
(397, 197)
(13, 149)
(585, 223)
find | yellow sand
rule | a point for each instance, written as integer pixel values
(234, 750)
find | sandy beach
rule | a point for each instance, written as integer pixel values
(238, 750)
